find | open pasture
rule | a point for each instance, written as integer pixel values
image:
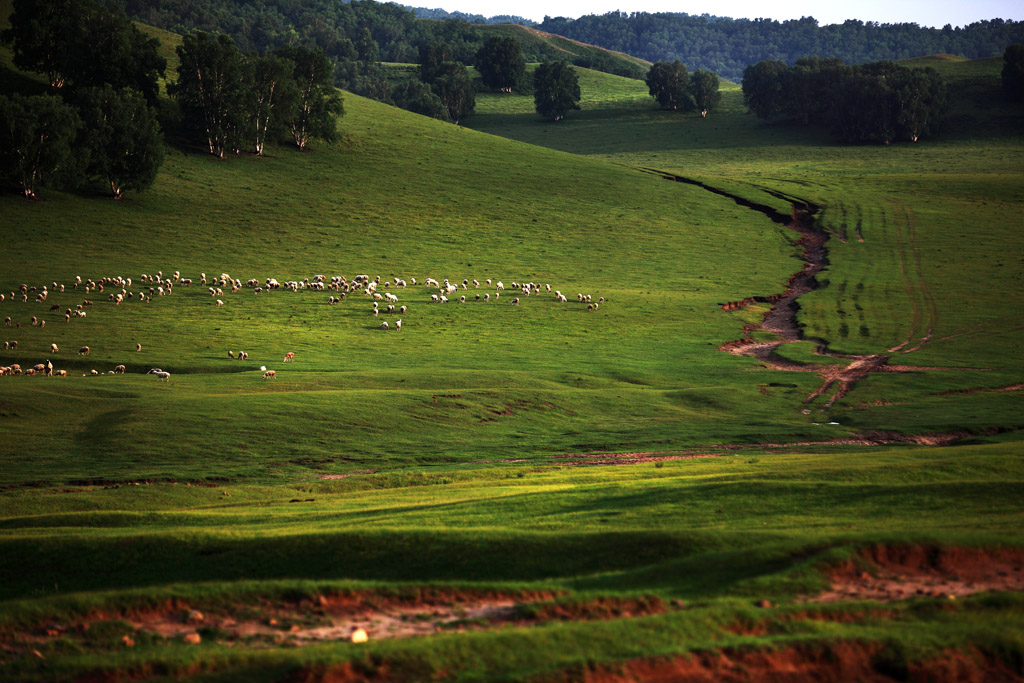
(547, 492)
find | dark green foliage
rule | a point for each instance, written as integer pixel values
(271, 89)
(500, 63)
(209, 89)
(726, 46)
(1013, 72)
(238, 102)
(762, 88)
(318, 104)
(123, 139)
(82, 43)
(37, 136)
(41, 34)
(432, 57)
(416, 96)
(556, 90)
(454, 88)
(704, 91)
(808, 86)
(669, 85)
(878, 102)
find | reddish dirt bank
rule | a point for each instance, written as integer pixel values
(897, 572)
(827, 662)
(818, 663)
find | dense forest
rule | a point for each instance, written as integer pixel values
(424, 13)
(727, 46)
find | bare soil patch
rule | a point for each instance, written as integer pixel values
(887, 573)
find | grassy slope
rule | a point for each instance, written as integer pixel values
(940, 221)
(459, 204)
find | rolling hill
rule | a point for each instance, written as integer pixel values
(532, 490)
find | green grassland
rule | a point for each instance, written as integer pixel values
(446, 456)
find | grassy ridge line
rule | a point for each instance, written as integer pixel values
(641, 527)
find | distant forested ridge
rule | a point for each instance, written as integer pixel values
(727, 46)
(424, 13)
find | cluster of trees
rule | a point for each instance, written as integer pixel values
(98, 119)
(725, 46)
(236, 102)
(357, 35)
(879, 102)
(556, 90)
(673, 88)
(446, 91)
(1013, 73)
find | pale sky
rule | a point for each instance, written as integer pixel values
(924, 12)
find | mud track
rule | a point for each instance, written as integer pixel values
(781, 318)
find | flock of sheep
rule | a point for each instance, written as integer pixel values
(120, 291)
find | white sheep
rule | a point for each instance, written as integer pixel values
(499, 285)
(384, 325)
(403, 309)
(269, 374)
(84, 351)
(219, 302)
(53, 348)
(398, 324)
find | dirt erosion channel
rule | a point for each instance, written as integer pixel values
(780, 321)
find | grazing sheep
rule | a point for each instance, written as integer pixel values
(120, 369)
(242, 355)
(462, 299)
(515, 301)
(30, 371)
(55, 307)
(161, 374)
(376, 312)
(444, 299)
(231, 354)
(61, 373)
(84, 351)
(398, 324)
(34, 320)
(403, 309)
(391, 308)
(7, 321)
(433, 298)
(14, 344)
(384, 325)
(290, 356)
(93, 372)
(219, 302)
(39, 367)
(269, 374)
(42, 323)
(499, 285)
(53, 348)
(476, 283)
(138, 346)
(487, 297)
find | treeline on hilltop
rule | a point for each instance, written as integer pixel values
(879, 102)
(358, 35)
(440, 14)
(727, 46)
